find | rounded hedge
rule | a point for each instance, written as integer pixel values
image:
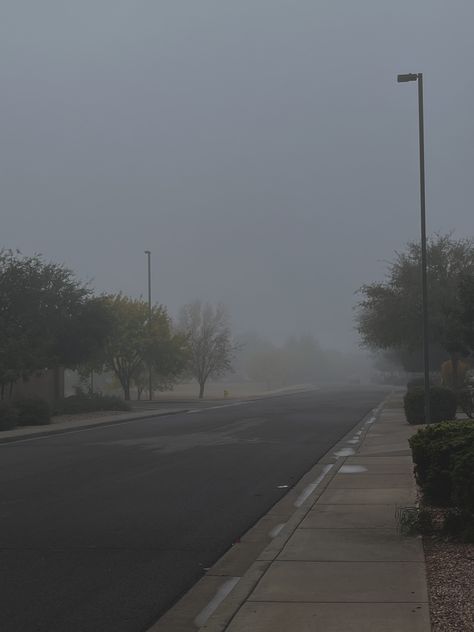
(32, 411)
(443, 405)
(8, 416)
(444, 462)
(76, 404)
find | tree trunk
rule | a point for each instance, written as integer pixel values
(455, 366)
(201, 389)
(126, 392)
(58, 384)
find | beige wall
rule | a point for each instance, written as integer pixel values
(41, 385)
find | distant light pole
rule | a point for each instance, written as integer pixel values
(150, 387)
(424, 281)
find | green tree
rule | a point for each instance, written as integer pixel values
(211, 349)
(390, 313)
(47, 317)
(135, 342)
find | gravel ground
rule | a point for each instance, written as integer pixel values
(450, 569)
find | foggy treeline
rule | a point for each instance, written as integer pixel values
(298, 360)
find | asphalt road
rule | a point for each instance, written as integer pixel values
(103, 529)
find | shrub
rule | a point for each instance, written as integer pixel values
(437, 451)
(463, 478)
(32, 411)
(416, 382)
(8, 416)
(76, 404)
(443, 404)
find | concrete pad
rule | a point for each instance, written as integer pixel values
(350, 517)
(237, 560)
(380, 435)
(394, 460)
(337, 617)
(352, 545)
(392, 582)
(181, 617)
(395, 449)
(388, 429)
(265, 528)
(371, 481)
(334, 496)
(383, 465)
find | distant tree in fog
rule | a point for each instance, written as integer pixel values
(208, 335)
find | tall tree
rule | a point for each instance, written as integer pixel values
(211, 349)
(47, 317)
(390, 313)
(135, 341)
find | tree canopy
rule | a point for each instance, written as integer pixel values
(47, 317)
(389, 315)
(136, 341)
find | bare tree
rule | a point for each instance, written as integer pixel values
(210, 343)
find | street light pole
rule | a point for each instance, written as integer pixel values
(424, 276)
(150, 387)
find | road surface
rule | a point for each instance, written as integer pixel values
(104, 529)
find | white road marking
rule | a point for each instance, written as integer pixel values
(352, 469)
(218, 598)
(206, 408)
(344, 452)
(276, 530)
(306, 493)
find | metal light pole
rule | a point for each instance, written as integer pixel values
(424, 281)
(150, 387)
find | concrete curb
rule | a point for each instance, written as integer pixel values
(224, 614)
(49, 431)
(226, 610)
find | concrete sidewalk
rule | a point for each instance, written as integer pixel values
(341, 565)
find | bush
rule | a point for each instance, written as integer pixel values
(463, 478)
(32, 411)
(417, 382)
(438, 452)
(76, 404)
(443, 403)
(8, 416)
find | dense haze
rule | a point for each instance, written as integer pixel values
(261, 149)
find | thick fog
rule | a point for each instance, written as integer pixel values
(261, 149)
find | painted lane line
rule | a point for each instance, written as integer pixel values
(206, 408)
(276, 530)
(306, 493)
(218, 598)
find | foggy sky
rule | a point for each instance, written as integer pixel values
(261, 149)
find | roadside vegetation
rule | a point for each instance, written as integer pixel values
(51, 321)
(389, 320)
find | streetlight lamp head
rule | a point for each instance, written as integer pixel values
(404, 78)
(147, 252)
